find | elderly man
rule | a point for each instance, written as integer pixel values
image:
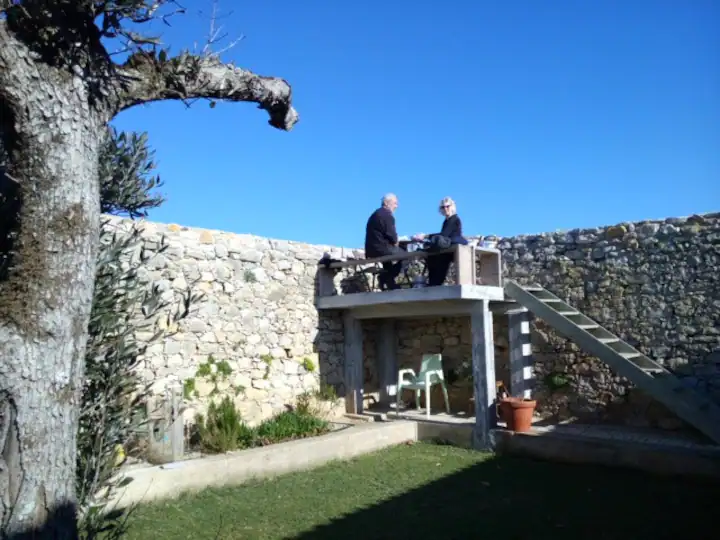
(381, 239)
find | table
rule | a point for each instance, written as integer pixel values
(420, 264)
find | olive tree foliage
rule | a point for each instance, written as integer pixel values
(126, 180)
(124, 303)
(61, 83)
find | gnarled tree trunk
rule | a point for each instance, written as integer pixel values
(58, 89)
(46, 296)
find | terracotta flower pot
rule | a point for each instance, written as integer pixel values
(517, 413)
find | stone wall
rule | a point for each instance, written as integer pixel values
(451, 337)
(257, 315)
(654, 283)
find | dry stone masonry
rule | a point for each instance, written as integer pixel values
(654, 283)
(257, 315)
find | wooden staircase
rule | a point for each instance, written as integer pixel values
(646, 374)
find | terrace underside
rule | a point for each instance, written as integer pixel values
(478, 302)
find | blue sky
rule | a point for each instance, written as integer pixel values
(534, 116)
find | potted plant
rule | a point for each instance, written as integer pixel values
(517, 413)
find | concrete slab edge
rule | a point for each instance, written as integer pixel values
(648, 457)
(171, 480)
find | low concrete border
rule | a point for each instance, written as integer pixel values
(652, 457)
(455, 434)
(170, 480)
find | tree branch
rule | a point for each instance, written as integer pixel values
(146, 77)
(216, 34)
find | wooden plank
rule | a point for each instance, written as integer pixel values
(422, 294)
(483, 365)
(387, 361)
(353, 364)
(521, 361)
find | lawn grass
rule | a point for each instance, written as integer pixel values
(429, 491)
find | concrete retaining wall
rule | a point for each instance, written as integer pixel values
(171, 480)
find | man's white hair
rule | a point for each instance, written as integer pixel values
(388, 198)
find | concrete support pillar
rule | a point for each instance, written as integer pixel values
(353, 364)
(387, 361)
(521, 361)
(483, 363)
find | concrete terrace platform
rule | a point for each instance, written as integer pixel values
(420, 302)
(478, 293)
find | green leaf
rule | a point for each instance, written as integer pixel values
(114, 397)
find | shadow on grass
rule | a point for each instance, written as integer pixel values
(59, 524)
(62, 524)
(512, 498)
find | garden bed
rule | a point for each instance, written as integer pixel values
(196, 452)
(148, 482)
(222, 429)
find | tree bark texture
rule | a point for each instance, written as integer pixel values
(58, 90)
(46, 295)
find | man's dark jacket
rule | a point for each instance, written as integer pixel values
(380, 233)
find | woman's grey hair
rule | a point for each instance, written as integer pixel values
(387, 198)
(447, 201)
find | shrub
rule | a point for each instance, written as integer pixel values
(222, 430)
(304, 405)
(326, 392)
(215, 372)
(112, 411)
(290, 425)
(308, 364)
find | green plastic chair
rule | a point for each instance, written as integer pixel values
(431, 373)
